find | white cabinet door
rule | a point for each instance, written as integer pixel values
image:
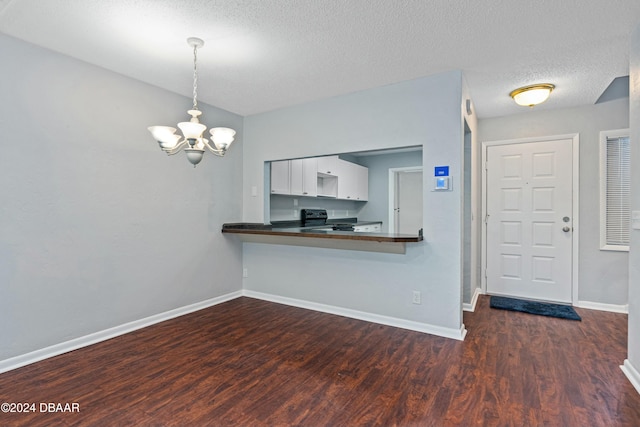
(280, 177)
(296, 182)
(369, 228)
(353, 181)
(310, 177)
(347, 180)
(304, 177)
(362, 192)
(327, 165)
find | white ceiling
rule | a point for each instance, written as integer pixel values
(260, 55)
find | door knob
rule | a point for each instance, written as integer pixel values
(566, 229)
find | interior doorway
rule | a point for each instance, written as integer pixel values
(405, 200)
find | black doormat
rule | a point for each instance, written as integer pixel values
(533, 307)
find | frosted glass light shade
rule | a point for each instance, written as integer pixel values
(163, 133)
(167, 145)
(194, 155)
(192, 130)
(532, 95)
(222, 137)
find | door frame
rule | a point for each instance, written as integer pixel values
(393, 177)
(575, 152)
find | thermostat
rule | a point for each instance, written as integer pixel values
(442, 183)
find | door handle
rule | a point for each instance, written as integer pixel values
(566, 229)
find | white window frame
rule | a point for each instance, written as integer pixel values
(604, 135)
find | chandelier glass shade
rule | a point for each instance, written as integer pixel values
(192, 141)
(529, 96)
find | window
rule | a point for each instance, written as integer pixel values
(615, 183)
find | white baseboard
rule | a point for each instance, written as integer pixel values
(614, 308)
(474, 300)
(96, 337)
(457, 334)
(632, 374)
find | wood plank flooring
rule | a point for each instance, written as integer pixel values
(254, 363)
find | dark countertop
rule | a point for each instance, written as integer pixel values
(318, 232)
(298, 224)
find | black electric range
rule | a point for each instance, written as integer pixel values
(318, 218)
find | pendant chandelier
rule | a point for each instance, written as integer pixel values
(191, 141)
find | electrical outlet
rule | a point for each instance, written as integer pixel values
(295, 202)
(295, 213)
(417, 297)
(245, 272)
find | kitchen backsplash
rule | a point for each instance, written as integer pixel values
(283, 209)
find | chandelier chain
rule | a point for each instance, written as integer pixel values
(195, 77)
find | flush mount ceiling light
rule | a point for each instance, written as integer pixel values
(529, 96)
(192, 142)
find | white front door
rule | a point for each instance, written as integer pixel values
(529, 224)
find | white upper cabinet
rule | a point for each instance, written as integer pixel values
(362, 192)
(326, 176)
(327, 165)
(347, 180)
(353, 181)
(295, 183)
(280, 177)
(304, 177)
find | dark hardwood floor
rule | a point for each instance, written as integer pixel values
(254, 363)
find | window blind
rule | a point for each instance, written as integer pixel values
(618, 190)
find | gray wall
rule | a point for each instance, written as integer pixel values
(98, 227)
(634, 254)
(603, 276)
(424, 112)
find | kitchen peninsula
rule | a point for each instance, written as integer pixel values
(318, 237)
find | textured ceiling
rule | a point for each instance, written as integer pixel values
(261, 55)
